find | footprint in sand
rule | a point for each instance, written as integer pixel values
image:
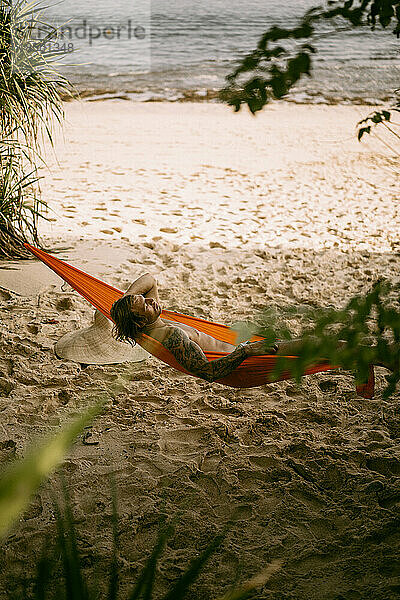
(385, 465)
(307, 497)
(169, 229)
(33, 328)
(264, 462)
(389, 502)
(154, 401)
(327, 385)
(65, 304)
(6, 386)
(179, 440)
(5, 295)
(207, 484)
(209, 464)
(148, 467)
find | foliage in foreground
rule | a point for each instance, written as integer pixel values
(369, 324)
(21, 479)
(30, 95)
(379, 117)
(284, 55)
(75, 586)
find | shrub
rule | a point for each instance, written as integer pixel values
(30, 103)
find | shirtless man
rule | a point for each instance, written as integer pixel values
(138, 311)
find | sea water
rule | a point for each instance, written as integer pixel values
(175, 49)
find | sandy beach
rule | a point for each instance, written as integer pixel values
(231, 213)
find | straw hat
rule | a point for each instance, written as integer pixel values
(96, 345)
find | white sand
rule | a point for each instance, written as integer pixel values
(231, 213)
(291, 177)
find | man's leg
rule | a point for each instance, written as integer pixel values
(295, 347)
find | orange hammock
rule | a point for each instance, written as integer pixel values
(252, 372)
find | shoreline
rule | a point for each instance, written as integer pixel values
(101, 94)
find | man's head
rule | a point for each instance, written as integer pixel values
(132, 314)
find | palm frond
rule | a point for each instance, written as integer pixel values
(31, 104)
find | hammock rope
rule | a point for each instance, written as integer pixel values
(252, 372)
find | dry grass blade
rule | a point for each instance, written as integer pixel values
(247, 588)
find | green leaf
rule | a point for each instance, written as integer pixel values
(377, 118)
(277, 33)
(279, 87)
(386, 14)
(179, 590)
(304, 63)
(250, 62)
(362, 131)
(76, 586)
(244, 330)
(146, 579)
(304, 31)
(21, 479)
(113, 583)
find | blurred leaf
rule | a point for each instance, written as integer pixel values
(244, 329)
(146, 579)
(355, 337)
(246, 589)
(44, 572)
(179, 590)
(75, 585)
(113, 584)
(21, 479)
(293, 63)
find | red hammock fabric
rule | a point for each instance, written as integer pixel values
(254, 371)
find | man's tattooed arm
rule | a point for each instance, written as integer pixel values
(192, 358)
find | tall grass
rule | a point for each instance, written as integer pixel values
(21, 479)
(75, 585)
(30, 104)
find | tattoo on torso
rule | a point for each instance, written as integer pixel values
(192, 358)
